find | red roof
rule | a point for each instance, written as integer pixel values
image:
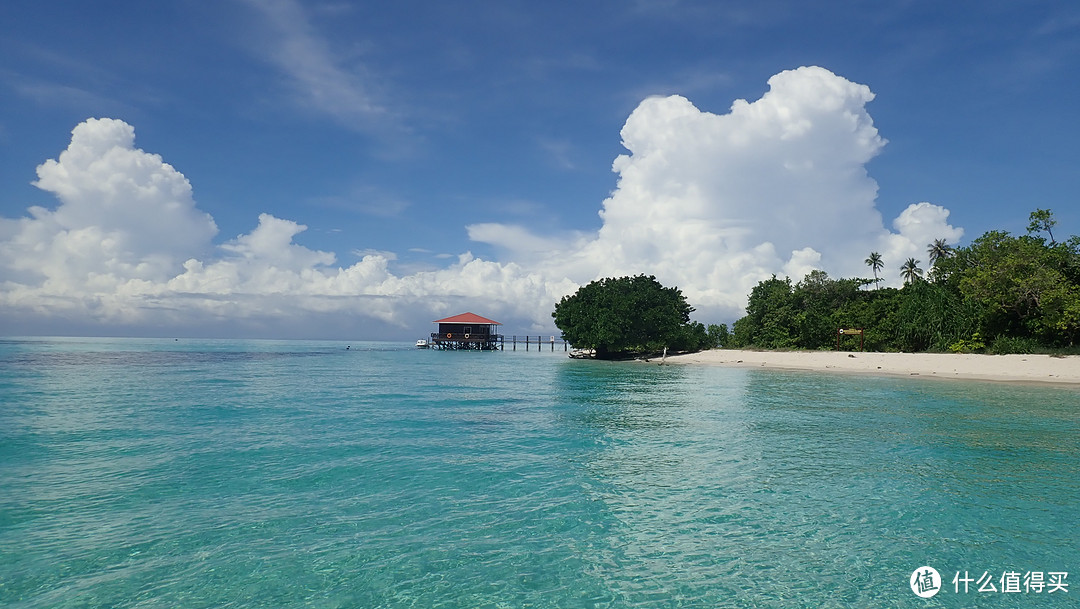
(466, 318)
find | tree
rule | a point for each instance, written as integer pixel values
(1025, 287)
(910, 271)
(938, 250)
(770, 320)
(623, 315)
(692, 336)
(822, 304)
(718, 335)
(1005, 293)
(1042, 219)
(874, 261)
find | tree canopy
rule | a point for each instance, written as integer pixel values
(1002, 293)
(625, 315)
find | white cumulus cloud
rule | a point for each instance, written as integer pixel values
(917, 226)
(712, 203)
(125, 219)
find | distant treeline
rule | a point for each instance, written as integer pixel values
(1001, 294)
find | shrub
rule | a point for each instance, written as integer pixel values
(975, 343)
(1013, 344)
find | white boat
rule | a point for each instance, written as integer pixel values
(421, 344)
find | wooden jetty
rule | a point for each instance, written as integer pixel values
(471, 331)
(539, 343)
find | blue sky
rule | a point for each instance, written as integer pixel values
(446, 157)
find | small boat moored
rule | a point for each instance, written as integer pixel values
(421, 344)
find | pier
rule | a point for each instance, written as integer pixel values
(539, 343)
(495, 342)
(469, 331)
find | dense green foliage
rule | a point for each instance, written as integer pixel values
(628, 315)
(1002, 294)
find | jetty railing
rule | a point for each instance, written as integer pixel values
(540, 342)
(492, 342)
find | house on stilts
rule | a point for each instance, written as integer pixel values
(467, 331)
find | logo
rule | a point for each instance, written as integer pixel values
(925, 582)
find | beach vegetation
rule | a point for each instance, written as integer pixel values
(1022, 290)
(975, 344)
(770, 317)
(628, 316)
(718, 336)
(1004, 345)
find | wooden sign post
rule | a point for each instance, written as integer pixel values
(849, 332)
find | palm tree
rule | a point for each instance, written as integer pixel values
(874, 262)
(938, 250)
(910, 270)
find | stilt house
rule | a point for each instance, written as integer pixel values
(466, 331)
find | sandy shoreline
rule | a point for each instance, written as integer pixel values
(1007, 368)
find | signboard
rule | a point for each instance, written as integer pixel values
(849, 332)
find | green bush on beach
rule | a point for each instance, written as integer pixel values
(627, 316)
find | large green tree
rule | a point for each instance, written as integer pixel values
(771, 317)
(822, 304)
(1023, 286)
(624, 315)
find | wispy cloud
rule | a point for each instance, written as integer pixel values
(319, 78)
(560, 152)
(71, 82)
(68, 96)
(365, 200)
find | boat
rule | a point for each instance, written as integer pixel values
(421, 344)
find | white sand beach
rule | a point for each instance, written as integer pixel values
(1010, 368)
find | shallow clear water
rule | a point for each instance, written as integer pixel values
(148, 473)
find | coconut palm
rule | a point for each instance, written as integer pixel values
(938, 250)
(875, 262)
(910, 270)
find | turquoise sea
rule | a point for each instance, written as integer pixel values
(210, 473)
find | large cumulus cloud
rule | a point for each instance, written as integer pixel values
(716, 202)
(123, 212)
(125, 220)
(712, 203)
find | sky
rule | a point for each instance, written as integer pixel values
(356, 170)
